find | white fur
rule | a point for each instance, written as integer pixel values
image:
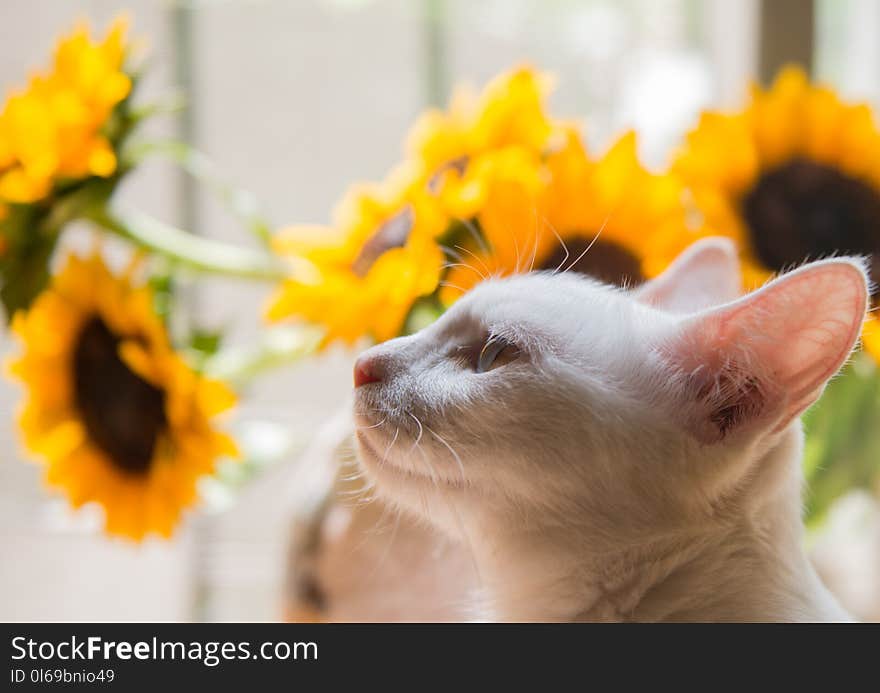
(601, 474)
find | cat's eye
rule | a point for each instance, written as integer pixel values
(495, 352)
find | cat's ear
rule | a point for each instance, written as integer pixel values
(706, 274)
(758, 362)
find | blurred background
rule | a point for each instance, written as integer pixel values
(295, 100)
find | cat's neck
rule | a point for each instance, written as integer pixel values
(751, 567)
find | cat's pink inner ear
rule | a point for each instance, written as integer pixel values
(706, 274)
(766, 357)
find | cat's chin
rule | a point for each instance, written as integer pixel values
(394, 479)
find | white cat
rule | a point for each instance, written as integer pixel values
(612, 455)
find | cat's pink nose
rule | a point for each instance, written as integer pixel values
(365, 371)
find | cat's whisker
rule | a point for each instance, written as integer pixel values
(364, 502)
(448, 447)
(450, 265)
(475, 233)
(564, 247)
(361, 501)
(390, 445)
(591, 243)
(432, 473)
(453, 286)
(459, 258)
(359, 474)
(417, 447)
(451, 252)
(535, 248)
(516, 268)
(421, 431)
(366, 428)
(477, 258)
(358, 494)
(588, 248)
(354, 493)
(349, 461)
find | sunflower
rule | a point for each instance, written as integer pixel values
(448, 146)
(52, 130)
(633, 222)
(113, 411)
(382, 252)
(370, 267)
(794, 176)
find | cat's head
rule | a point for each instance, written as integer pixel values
(554, 398)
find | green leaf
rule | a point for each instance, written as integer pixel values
(30, 232)
(206, 342)
(202, 345)
(842, 450)
(24, 274)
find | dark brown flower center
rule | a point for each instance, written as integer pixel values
(804, 211)
(606, 261)
(394, 233)
(122, 413)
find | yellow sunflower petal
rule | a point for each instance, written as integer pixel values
(140, 361)
(871, 337)
(51, 129)
(384, 259)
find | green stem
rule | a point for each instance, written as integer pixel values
(241, 203)
(170, 105)
(278, 347)
(193, 252)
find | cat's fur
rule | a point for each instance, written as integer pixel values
(639, 459)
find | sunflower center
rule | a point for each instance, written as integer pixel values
(394, 233)
(608, 262)
(804, 210)
(123, 414)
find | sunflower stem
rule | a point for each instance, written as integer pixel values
(278, 347)
(241, 203)
(193, 252)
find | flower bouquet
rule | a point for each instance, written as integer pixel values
(122, 407)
